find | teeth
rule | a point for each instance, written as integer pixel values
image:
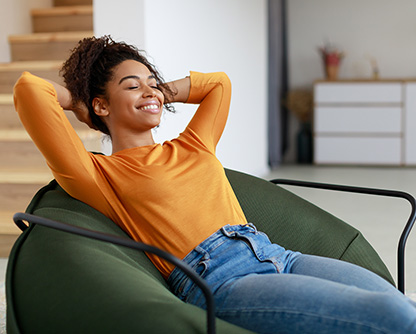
(151, 106)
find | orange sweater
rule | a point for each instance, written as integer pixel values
(172, 196)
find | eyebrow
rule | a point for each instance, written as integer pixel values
(134, 77)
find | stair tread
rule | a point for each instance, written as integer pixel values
(25, 176)
(31, 65)
(60, 3)
(22, 135)
(7, 225)
(6, 98)
(13, 135)
(39, 37)
(63, 10)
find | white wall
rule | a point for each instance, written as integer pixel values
(123, 20)
(15, 19)
(382, 29)
(216, 35)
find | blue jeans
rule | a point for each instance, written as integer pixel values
(263, 287)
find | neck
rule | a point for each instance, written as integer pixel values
(130, 141)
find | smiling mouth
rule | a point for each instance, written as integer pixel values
(153, 108)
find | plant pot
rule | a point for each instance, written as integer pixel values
(331, 72)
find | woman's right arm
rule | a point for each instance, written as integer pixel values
(62, 94)
(65, 100)
(40, 105)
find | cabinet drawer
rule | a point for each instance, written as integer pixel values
(358, 92)
(369, 120)
(410, 126)
(357, 150)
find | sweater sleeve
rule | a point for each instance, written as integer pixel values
(212, 91)
(36, 102)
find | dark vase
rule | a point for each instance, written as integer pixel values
(304, 143)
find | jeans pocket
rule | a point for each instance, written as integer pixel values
(263, 248)
(201, 269)
(187, 286)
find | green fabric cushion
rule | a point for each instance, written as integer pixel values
(62, 283)
(299, 225)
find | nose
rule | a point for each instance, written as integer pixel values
(149, 91)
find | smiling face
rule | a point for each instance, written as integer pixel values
(133, 105)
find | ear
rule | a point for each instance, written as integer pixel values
(100, 106)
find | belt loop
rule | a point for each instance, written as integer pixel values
(252, 226)
(227, 233)
(202, 252)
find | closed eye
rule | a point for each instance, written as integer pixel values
(136, 87)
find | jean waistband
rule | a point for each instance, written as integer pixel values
(215, 239)
(205, 247)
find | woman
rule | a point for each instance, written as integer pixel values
(176, 196)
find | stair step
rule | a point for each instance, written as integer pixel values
(17, 188)
(72, 2)
(24, 176)
(6, 243)
(33, 65)
(45, 46)
(16, 197)
(9, 119)
(20, 135)
(8, 228)
(6, 99)
(48, 37)
(14, 135)
(6, 223)
(65, 18)
(10, 136)
(19, 153)
(63, 10)
(17, 150)
(10, 72)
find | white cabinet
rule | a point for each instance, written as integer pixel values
(358, 92)
(410, 124)
(365, 123)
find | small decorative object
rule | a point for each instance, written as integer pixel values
(331, 57)
(374, 68)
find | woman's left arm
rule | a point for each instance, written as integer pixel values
(212, 91)
(180, 89)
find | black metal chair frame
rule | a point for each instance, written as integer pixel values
(371, 191)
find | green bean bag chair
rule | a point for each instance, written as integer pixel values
(63, 283)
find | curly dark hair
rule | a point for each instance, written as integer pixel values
(91, 65)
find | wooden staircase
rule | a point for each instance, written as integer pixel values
(22, 168)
